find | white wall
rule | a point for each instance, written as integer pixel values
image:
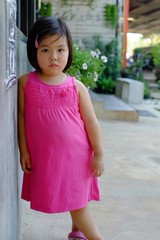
(85, 21)
(10, 173)
(9, 216)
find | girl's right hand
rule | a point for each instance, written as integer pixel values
(25, 162)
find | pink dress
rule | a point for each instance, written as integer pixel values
(61, 154)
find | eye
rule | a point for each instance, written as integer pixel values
(45, 50)
(61, 50)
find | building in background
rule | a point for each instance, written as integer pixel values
(87, 19)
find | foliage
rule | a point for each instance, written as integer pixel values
(65, 2)
(156, 55)
(113, 68)
(144, 58)
(105, 85)
(87, 66)
(111, 15)
(157, 73)
(158, 82)
(114, 60)
(156, 60)
(147, 91)
(134, 72)
(46, 9)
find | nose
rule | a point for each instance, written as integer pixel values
(53, 56)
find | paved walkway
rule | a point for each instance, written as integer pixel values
(130, 187)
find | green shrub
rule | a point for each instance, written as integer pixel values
(87, 66)
(46, 9)
(105, 85)
(156, 55)
(111, 15)
(114, 64)
(147, 91)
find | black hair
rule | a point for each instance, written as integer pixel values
(45, 27)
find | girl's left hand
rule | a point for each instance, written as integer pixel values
(97, 166)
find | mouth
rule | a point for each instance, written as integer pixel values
(53, 65)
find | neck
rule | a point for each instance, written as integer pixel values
(53, 80)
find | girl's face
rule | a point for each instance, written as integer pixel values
(52, 55)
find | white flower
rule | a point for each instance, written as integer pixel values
(93, 53)
(104, 59)
(97, 52)
(84, 66)
(95, 76)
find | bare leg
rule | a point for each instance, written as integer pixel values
(74, 226)
(83, 221)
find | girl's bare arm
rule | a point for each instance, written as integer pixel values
(24, 154)
(92, 128)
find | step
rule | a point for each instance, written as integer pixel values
(149, 76)
(153, 85)
(155, 95)
(109, 107)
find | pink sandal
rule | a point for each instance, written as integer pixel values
(76, 235)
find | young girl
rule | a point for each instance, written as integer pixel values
(60, 143)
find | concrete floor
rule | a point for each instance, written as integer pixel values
(130, 187)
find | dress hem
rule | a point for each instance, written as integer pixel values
(39, 209)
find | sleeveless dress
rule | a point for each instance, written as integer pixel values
(61, 155)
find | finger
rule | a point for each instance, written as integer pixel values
(26, 168)
(99, 173)
(28, 165)
(93, 170)
(96, 173)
